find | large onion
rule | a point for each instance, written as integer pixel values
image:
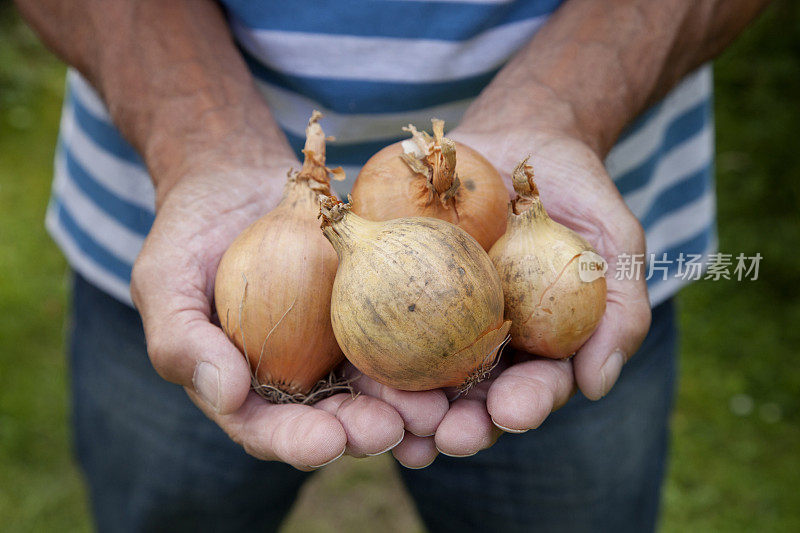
(416, 303)
(423, 177)
(273, 287)
(553, 305)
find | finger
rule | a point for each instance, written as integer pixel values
(372, 426)
(620, 333)
(300, 435)
(416, 452)
(192, 352)
(466, 429)
(422, 411)
(525, 394)
(183, 346)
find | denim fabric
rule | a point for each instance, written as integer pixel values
(153, 462)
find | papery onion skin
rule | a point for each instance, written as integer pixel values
(416, 304)
(273, 286)
(552, 310)
(387, 188)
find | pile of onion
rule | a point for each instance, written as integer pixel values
(422, 177)
(416, 303)
(554, 307)
(273, 288)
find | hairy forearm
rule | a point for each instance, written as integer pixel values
(169, 72)
(596, 64)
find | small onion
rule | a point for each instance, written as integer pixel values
(416, 303)
(273, 288)
(421, 177)
(553, 308)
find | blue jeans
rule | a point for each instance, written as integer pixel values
(153, 462)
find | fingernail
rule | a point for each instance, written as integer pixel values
(206, 383)
(416, 467)
(454, 455)
(328, 462)
(508, 430)
(390, 447)
(610, 370)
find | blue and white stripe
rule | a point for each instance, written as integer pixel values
(372, 67)
(663, 165)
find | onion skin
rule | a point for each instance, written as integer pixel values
(388, 188)
(416, 304)
(553, 312)
(273, 286)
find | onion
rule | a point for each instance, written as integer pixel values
(552, 278)
(273, 288)
(416, 303)
(420, 177)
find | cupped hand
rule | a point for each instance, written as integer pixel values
(522, 389)
(577, 192)
(172, 286)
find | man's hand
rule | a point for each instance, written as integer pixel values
(578, 193)
(172, 286)
(524, 389)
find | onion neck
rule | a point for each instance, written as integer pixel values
(340, 226)
(527, 203)
(531, 216)
(303, 193)
(434, 159)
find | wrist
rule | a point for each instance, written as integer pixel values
(230, 140)
(537, 112)
(243, 168)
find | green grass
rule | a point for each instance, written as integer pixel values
(40, 489)
(729, 471)
(739, 472)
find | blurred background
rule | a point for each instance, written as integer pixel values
(736, 429)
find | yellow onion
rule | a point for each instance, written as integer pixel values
(421, 177)
(416, 304)
(555, 292)
(273, 288)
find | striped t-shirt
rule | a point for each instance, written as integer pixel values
(372, 66)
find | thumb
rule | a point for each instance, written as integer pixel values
(621, 331)
(182, 343)
(624, 325)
